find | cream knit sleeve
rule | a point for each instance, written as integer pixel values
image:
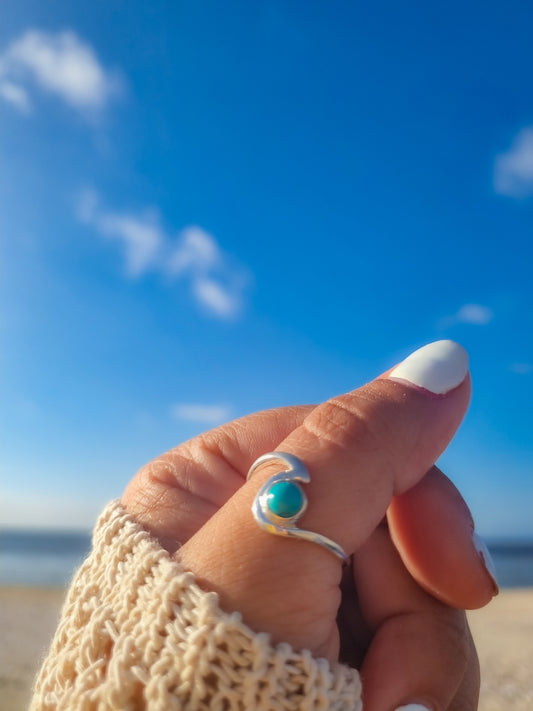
(137, 632)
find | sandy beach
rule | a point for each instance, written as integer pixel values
(503, 633)
(28, 618)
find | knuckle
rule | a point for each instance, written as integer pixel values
(452, 630)
(210, 451)
(162, 469)
(341, 421)
(143, 493)
(467, 696)
(160, 482)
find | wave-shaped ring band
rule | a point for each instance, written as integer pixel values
(281, 502)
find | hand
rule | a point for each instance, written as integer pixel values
(392, 613)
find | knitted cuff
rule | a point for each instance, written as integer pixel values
(137, 632)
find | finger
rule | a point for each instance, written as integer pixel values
(420, 648)
(355, 635)
(467, 696)
(175, 494)
(360, 449)
(433, 530)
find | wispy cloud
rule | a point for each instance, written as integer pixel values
(141, 237)
(196, 251)
(217, 285)
(16, 95)
(204, 414)
(61, 64)
(513, 170)
(215, 297)
(522, 368)
(473, 314)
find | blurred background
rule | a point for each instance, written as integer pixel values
(213, 208)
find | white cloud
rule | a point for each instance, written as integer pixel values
(15, 95)
(205, 414)
(61, 64)
(216, 298)
(216, 283)
(522, 368)
(196, 250)
(513, 170)
(474, 314)
(140, 235)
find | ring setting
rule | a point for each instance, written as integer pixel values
(286, 499)
(281, 502)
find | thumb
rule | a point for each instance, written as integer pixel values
(360, 449)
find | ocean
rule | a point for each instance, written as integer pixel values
(49, 559)
(41, 558)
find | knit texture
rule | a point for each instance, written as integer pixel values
(138, 633)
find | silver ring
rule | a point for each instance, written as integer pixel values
(281, 501)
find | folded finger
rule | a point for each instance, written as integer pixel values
(433, 530)
(420, 650)
(176, 493)
(467, 695)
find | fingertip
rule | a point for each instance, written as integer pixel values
(486, 559)
(437, 368)
(433, 531)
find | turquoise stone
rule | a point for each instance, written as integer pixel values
(285, 499)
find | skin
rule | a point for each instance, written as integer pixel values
(396, 611)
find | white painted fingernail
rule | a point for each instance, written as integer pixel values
(438, 367)
(486, 559)
(413, 707)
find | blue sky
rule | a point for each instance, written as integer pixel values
(210, 209)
